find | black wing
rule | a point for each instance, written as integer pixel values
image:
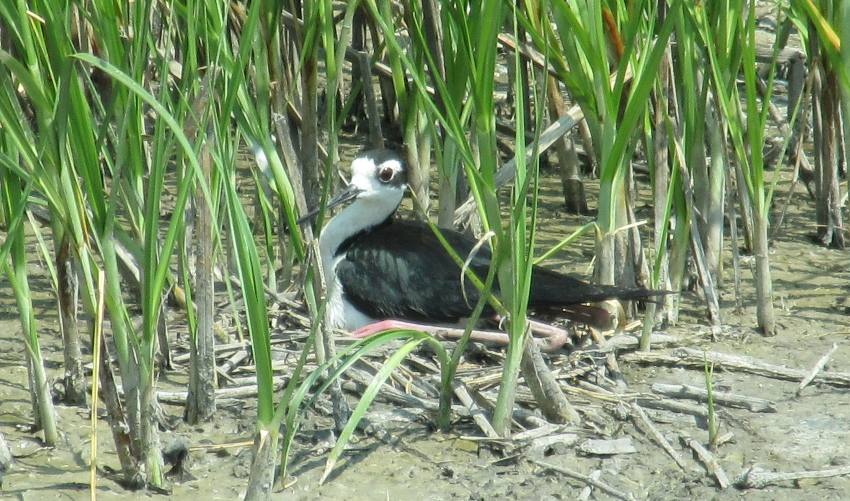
(400, 270)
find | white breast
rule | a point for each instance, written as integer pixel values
(362, 214)
(341, 314)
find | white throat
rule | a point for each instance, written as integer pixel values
(362, 214)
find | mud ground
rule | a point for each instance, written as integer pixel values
(808, 432)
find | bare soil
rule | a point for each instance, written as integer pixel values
(807, 432)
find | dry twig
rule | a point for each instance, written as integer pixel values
(756, 477)
(645, 424)
(674, 406)
(708, 460)
(475, 411)
(588, 489)
(247, 391)
(689, 357)
(817, 368)
(589, 480)
(724, 398)
(607, 447)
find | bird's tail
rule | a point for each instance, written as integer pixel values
(570, 296)
(550, 289)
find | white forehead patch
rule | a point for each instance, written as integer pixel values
(362, 167)
(364, 173)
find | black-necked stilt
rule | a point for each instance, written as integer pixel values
(379, 268)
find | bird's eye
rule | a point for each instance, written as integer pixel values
(386, 174)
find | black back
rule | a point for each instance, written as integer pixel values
(400, 270)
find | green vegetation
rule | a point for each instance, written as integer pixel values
(122, 124)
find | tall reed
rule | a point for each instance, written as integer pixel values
(729, 40)
(44, 415)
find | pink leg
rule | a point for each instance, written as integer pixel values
(555, 338)
(550, 338)
(434, 330)
(385, 325)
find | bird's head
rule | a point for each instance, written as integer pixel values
(378, 173)
(378, 176)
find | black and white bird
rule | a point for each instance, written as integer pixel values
(378, 267)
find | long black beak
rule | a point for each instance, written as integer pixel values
(346, 195)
